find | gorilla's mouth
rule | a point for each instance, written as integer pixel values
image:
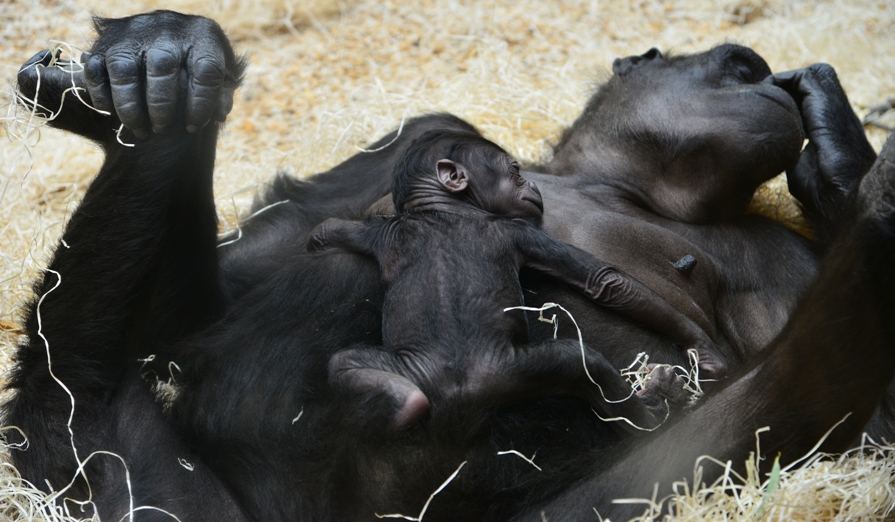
(778, 96)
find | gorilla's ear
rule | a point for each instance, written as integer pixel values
(452, 176)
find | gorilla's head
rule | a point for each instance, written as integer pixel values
(701, 125)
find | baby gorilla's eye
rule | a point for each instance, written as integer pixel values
(517, 178)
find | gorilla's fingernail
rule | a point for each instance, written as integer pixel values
(192, 129)
(160, 129)
(141, 134)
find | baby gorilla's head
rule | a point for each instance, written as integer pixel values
(466, 168)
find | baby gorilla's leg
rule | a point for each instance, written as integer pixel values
(560, 368)
(368, 371)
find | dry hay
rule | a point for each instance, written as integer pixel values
(326, 77)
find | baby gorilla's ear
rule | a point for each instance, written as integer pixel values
(452, 176)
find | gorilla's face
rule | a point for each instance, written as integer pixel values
(701, 119)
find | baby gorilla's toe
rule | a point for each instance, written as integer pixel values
(711, 365)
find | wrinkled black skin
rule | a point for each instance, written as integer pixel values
(466, 223)
(661, 164)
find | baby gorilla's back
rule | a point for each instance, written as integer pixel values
(448, 279)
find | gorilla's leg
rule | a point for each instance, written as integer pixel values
(135, 269)
(832, 362)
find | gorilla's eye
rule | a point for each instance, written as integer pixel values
(514, 173)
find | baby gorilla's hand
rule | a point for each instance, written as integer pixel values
(317, 239)
(664, 391)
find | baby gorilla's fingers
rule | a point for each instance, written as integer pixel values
(317, 239)
(665, 389)
(413, 404)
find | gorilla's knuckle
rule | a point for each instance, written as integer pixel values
(94, 69)
(208, 71)
(122, 66)
(162, 61)
(205, 27)
(162, 109)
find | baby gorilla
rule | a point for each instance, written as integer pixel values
(450, 260)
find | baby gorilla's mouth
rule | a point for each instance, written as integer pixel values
(537, 202)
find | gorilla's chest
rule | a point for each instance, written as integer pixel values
(654, 255)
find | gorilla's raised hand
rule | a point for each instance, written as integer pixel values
(152, 72)
(837, 155)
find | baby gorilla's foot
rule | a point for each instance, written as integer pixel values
(414, 406)
(664, 391)
(711, 365)
(404, 403)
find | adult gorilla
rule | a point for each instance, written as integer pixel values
(659, 166)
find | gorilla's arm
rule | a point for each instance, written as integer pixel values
(837, 155)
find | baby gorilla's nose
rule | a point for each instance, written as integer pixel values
(534, 196)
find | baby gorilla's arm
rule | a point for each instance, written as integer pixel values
(613, 289)
(355, 236)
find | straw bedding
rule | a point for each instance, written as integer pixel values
(327, 77)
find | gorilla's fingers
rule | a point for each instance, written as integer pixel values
(207, 74)
(126, 81)
(163, 67)
(838, 153)
(820, 97)
(97, 81)
(789, 81)
(802, 179)
(225, 104)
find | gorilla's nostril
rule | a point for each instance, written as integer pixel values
(622, 66)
